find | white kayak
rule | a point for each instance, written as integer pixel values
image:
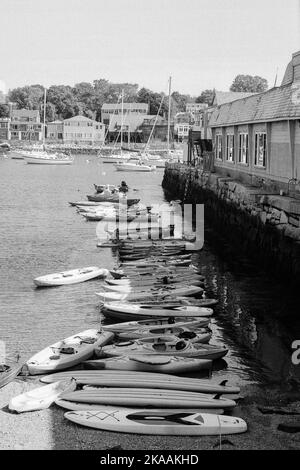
(152, 287)
(154, 363)
(162, 347)
(175, 291)
(158, 422)
(198, 335)
(189, 322)
(42, 397)
(68, 352)
(147, 397)
(125, 379)
(123, 310)
(70, 277)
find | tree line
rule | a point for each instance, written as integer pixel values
(64, 101)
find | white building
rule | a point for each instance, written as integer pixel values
(82, 130)
(110, 109)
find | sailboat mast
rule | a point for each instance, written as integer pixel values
(122, 119)
(169, 115)
(44, 120)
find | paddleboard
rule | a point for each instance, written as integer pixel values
(158, 422)
(109, 378)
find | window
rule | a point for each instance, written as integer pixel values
(219, 147)
(230, 147)
(260, 149)
(243, 148)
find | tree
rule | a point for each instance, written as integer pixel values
(62, 97)
(206, 96)
(154, 99)
(28, 97)
(179, 102)
(249, 83)
(4, 110)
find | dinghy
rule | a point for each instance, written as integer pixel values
(147, 397)
(68, 352)
(189, 322)
(42, 397)
(9, 370)
(162, 347)
(158, 422)
(73, 276)
(127, 311)
(125, 379)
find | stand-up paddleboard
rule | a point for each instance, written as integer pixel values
(177, 348)
(108, 378)
(77, 406)
(189, 322)
(42, 397)
(73, 276)
(198, 335)
(147, 397)
(158, 422)
(125, 310)
(68, 352)
(160, 364)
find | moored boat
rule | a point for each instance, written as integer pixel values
(73, 276)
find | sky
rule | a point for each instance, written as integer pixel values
(200, 43)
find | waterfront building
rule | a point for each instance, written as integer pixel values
(110, 109)
(257, 138)
(82, 130)
(25, 124)
(194, 108)
(55, 131)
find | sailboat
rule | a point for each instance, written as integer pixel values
(41, 156)
(133, 163)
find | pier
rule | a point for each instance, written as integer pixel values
(264, 224)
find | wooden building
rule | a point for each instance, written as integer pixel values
(257, 139)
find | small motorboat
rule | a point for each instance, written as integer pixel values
(134, 165)
(73, 276)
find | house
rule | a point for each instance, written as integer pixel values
(4, 128)
(257, 138)
(25, 124)
(55, 131)
(110, 109)
(82, 130)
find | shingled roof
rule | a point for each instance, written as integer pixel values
(222, 97)
(279, 103)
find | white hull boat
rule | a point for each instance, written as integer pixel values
(73, 276)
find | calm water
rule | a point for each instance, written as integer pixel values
(40, 233)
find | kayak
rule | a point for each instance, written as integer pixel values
(155, 363)
(189, 322)
(9, 370)
(198, 335)
(70, 277)
(42, 397)
(68, 352)
(162, 348)
(165, 398)
(163, 292)
(127, 311)
(125, 379)
(158, 422)
(136, 288)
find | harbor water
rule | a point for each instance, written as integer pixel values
(257, 317)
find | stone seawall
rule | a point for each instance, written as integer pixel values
(265, 225)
